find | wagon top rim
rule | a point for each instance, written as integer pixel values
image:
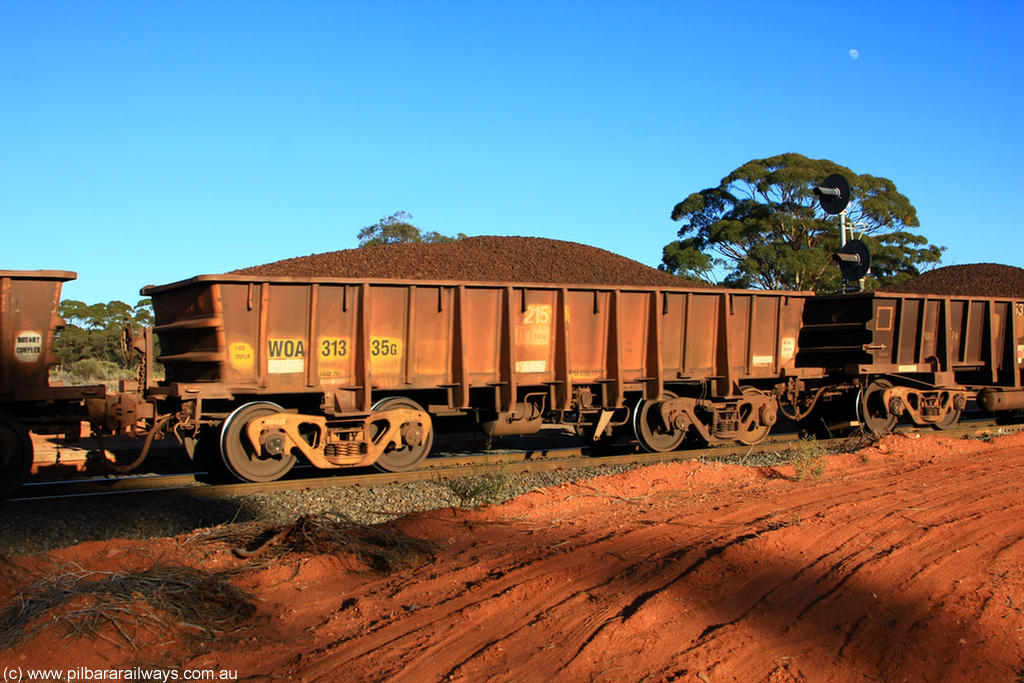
(470, 284)
(62, 275)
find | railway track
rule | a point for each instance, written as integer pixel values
(440, 467)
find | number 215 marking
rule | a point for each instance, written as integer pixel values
(537, 314)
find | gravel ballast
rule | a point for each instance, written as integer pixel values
(37, 527)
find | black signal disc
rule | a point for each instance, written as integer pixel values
(831, 203)
(855, 270)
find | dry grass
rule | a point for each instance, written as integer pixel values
(159, 599)
(380, 547)
(484, 489)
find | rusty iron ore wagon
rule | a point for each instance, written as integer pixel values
(28, 323)
(351, 373)
(921, 357)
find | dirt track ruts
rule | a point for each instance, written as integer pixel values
(872, 576)
(904, 562)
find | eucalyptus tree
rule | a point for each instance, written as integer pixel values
(761, 227)
(398, 229)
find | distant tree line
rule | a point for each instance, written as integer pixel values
(95, 331)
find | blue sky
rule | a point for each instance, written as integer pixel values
(144, 142)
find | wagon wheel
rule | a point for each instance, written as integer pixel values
(755, 430)
(649, 430)
(245, 460)
(417, 438)
(872, 412)
(950, 421)
(952, 417)
(16, 454)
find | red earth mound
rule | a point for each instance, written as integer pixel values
(903, 562)
(486, 258)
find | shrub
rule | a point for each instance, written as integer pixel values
(809, 460)
(479, 490)
(93, 369)
(90, 371)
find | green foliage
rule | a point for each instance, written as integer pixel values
(763, 225)
(396, 229)
(90, 370)
(809, 460)
(95, 331)
(105, 316)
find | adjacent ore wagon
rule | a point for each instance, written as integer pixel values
(28, 323)
(914, 356)
(348, 372)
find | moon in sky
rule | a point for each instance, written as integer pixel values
(854, 54)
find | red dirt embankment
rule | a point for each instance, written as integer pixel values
(904, 562)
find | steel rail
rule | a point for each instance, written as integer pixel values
(435, 468)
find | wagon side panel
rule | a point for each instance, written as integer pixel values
(588, 323)
(333, 348)
(635, 327)
(387, 343)
(534, 317)
(700, 331)
(429, 344)
(479, 334)
(28, 324)
(241, 305)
